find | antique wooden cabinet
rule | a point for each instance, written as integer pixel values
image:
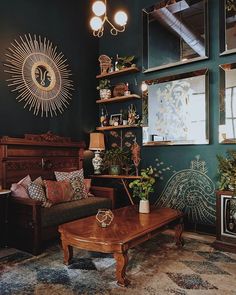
(225, 221)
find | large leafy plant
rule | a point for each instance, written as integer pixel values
(227, 171)
(115, 156)
(143, 186)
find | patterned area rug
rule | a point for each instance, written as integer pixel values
(155, 267)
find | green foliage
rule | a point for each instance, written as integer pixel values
(227, 171)
(143, 186)
(115, 156)
(124, 62)
(104, 84)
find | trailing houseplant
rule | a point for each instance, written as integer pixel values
(104, 88)
(115, 159)
(143, 186)
(227, 171)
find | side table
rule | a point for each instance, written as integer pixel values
(4, 198)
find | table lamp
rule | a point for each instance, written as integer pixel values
(97, 144)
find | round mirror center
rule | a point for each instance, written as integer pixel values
(42, 76)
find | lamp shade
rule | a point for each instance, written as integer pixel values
(97, 141)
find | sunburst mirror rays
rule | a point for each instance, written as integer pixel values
(39, 74)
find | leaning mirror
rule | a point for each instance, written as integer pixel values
(174, 32)
(227, 126)
(227, 26)
(175, 109)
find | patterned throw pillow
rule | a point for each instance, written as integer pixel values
(36, 191)
(58, 191)
(19, 189)
(76, 179)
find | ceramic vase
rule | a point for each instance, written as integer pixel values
(144, 206)
(105, 93)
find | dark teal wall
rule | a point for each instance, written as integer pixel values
(65, 24)
(179, 157)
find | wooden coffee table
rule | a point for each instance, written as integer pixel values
(128, 229)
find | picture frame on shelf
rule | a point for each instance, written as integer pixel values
(116, 119)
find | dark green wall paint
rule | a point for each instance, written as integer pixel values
(65, 24)
(130, 43)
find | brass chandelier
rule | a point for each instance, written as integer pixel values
(99, 19)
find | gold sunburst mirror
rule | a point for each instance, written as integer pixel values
(39, 74)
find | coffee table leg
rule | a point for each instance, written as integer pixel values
(179, 241)
(68, 253)
(121, 263)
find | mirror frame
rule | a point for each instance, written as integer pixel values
(145, 56)
(173, 78)
(223, 68)
(223, 47)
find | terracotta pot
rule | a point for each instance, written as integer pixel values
(105, 93)
(144, 206)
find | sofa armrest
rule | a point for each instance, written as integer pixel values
(104, 192)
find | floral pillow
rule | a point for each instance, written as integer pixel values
(76, 179)
(19, 189)
(58, 191)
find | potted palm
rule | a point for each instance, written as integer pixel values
(142, 187)
(114, 160)
(104, 89)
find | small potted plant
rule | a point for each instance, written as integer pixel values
(227, 171)
(104, 89)
(142, 187)
(114, 160)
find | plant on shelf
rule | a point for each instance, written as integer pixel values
(115, 159)
(104, 88)
(227, 171)
(143, 186)
(124, 62)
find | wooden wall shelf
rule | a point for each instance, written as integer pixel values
(116, 127)
(116, 73)
(119, 98)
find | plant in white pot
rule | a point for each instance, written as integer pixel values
(104, 89)
(142, 187)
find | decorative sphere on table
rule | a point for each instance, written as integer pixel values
(104, 217)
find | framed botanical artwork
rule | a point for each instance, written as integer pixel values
(175, 109)
(182, 27)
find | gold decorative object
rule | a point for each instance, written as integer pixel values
(39, 74)
(99, 19)
(104, 217)
(105, 64)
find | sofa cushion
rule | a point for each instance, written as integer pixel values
(65, 212)
(76, 179)
(19, 189)
(58, 191)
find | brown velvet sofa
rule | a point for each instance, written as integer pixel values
(32, 226)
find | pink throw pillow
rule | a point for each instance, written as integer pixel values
(20, 189)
